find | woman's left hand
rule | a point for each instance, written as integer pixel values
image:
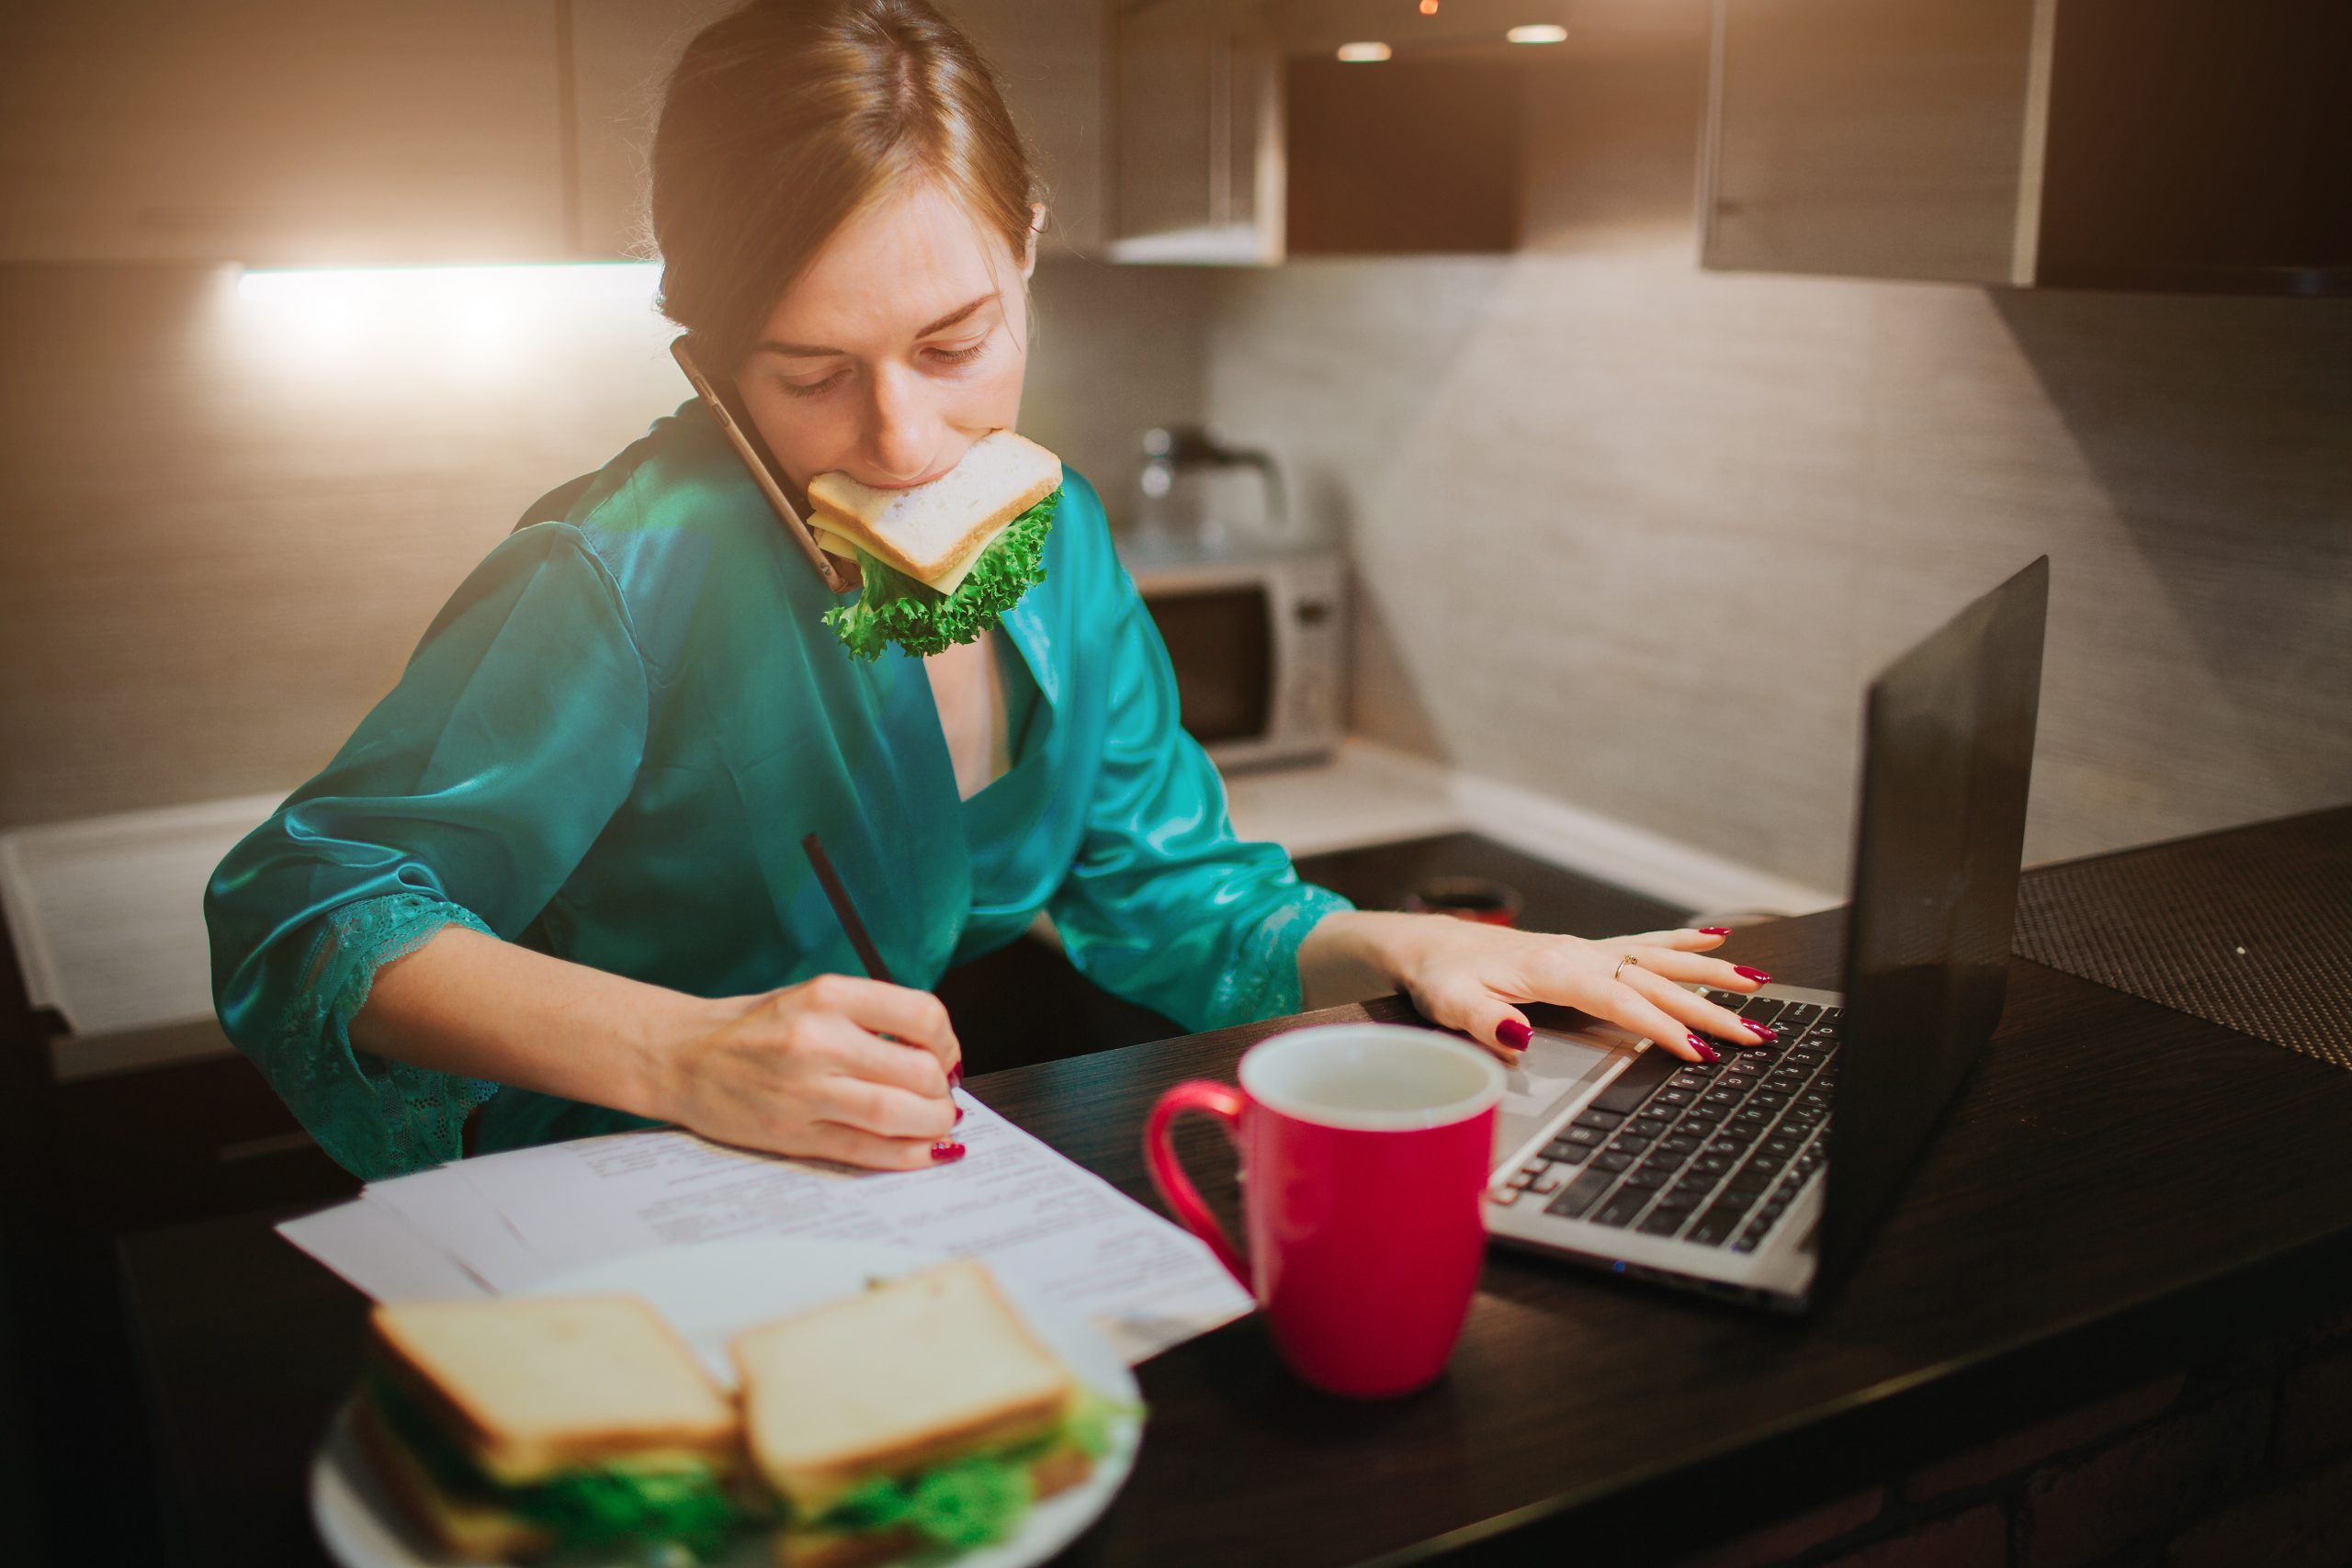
(1471, 977)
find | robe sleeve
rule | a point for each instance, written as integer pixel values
(466, 796)
(1163, 905)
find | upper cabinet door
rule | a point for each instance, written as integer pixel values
(622, 53)
(2167, 145)
(1047, 55)
(1199, 172)
(281, 131)
(1881, 140)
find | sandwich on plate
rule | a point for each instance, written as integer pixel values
(919, 1418)
(510, 1429)
(941, 561)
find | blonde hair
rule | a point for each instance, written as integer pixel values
(785, 118)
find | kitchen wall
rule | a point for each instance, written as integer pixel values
(226, 517)
(1632, 535)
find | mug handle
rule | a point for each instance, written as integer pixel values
(1224, 1102)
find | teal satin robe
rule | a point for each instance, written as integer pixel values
(610, 743)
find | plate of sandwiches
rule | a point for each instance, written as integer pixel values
(799, 1403)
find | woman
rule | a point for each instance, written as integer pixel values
(553, 884)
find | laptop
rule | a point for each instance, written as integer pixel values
(1758, 1178)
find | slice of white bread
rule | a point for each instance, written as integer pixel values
(934, 532)
(531, 1384)
(893, 1379)
(459, 1527)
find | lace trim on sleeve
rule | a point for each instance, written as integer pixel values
(1263, 981)
(375, 1117)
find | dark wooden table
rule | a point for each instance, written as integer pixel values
(2120, 1189)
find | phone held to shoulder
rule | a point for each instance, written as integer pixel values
(741, 434)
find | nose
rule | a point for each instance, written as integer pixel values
(906, 437)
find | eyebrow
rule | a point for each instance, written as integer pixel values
(810, 351)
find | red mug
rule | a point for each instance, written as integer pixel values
(1364, 1150)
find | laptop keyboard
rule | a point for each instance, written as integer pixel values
(1709, 1154)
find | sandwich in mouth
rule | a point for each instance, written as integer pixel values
(941, 561)
(513, 1429)
(920, 1417)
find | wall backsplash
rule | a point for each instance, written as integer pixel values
(1632, 535)
(208, 584)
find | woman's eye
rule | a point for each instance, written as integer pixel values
(959, 356)
(813, 389)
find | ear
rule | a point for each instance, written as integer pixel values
(1036, 227)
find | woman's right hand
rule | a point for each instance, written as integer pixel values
(806, 1071)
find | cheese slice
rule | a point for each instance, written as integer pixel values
(946, 582)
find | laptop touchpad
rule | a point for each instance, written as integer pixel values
(1554, 1067)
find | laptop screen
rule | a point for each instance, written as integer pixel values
(1948, 750)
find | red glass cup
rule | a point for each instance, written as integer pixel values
(1364, 1152)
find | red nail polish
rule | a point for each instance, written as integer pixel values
(944, 1152)
(955, 1075)
(1761, 1031)
(960, 1117)
(1714, 931)
(1706, 1052)
(1513, 1033)
(1744, 973)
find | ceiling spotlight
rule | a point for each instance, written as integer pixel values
(1363, 51)
(1538, 32)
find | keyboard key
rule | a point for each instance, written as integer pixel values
(1601, 1121)
(1673, 1097)
(1760, 1010)
(1580, 1194)
(1628, 1144)
(1584, 1134)
(1713, 1164)
(1796, 1015)
(1644, 1181)
(1502, 1197)
(1705, 1114)
(1613, 1163)
(1522, 1179)
(1622, 1208)
(1806, 1056)
(1680, 1144)
(1688, 1078)
(1663, 1221)
(1569, 1154)
(1718, 1224)
(1648, 1126)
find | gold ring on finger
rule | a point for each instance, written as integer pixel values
(1628, 958)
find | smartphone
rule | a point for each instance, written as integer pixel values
(745, 437)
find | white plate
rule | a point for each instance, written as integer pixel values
(710, 1293)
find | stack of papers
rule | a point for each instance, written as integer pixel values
(503, 1222)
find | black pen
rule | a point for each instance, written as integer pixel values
(846, 912)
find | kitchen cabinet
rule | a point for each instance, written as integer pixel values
(280, 133)
(1241, 138)
(2172, 144)
(1047, 55)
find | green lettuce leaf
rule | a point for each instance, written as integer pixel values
(920, 618)
(981, 1498)
(583, 1509)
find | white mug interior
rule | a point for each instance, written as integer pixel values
(1371, 1077)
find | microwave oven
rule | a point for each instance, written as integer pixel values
(1259, 646)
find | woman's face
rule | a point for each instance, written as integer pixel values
(902, 344)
